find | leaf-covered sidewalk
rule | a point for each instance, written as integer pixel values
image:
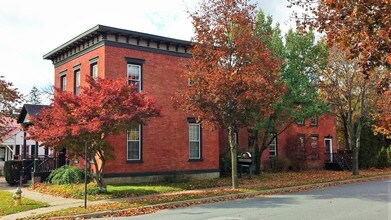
(266, 184)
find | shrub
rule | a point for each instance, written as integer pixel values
(225, 166)
(384, 158)
(66, 175)
(12, 170)
(278, 164)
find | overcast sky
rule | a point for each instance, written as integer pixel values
(30, 29)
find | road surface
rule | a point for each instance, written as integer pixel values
(367, 201)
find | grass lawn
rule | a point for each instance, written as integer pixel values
(263, 181)
(7, 204)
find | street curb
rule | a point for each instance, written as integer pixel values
(228, 197)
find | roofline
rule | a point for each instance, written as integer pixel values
(103, 28)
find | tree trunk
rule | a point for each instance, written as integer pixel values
(257, 157)
(359, 128)
(260, 152)
(345, 132)
(234, 158)
(99, 174)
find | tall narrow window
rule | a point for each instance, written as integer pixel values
(314, 121)
(314, 146)
(77, 82)
(134, 143)
(272, 145)
(134, 75)
(63, 82)
(194, 141)
(94, 68)
(32, 151)
(300, 121)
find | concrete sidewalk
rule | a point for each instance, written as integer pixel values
(56, 203)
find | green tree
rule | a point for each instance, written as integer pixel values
(35, 96)
(302, 56)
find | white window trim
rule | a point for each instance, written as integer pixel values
(92, 70)
(140, 75)
(273, 143)
(63, 82)
(199, 141)
(77, 82)
(139, 145)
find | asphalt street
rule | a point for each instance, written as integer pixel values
(367, 201)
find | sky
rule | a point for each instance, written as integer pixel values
(30, 29)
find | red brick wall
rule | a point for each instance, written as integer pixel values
(287, 140)
(165, 142)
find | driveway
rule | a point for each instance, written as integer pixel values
(371, 200)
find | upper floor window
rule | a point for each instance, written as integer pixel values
(134, 75)
(134, 143)
(300, 121)
(194, 141)
(94, 68)
(314, 121)
(94, 71)
(63, 82)
(76, 88)
(134, 72)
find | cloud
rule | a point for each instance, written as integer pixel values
(30, 29)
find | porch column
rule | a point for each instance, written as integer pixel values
(36, 150)
(24, 146)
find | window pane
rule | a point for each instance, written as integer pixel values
(134, 134)
(134, 72)
(194, 132)
(94, 73)
(133, 150)
(194, 149)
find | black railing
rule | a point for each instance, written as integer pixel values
(46, 164)
(344, 159)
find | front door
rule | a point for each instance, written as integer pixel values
(328, 143)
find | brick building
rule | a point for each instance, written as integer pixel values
(171, 144)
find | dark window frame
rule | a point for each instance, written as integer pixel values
(135, 62)
(193, 121)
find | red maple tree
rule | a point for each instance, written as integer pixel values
(232, 74)
(103, 108)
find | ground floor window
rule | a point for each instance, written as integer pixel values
(134, 143)
(272, 145)
(194, 141)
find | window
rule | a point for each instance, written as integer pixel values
(194, 141)
(63, 82)
(46, 151)
(134, 143)
(300, 121)
(76, 88)
(236, 140)
(314, 147)
(272, 145)
(134, 75)
(32, 150)
(314, 121)
(17, 149)
(134, 71)
(251, 138)
(94, 68)
(94, 71)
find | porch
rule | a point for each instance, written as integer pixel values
(340, 160)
